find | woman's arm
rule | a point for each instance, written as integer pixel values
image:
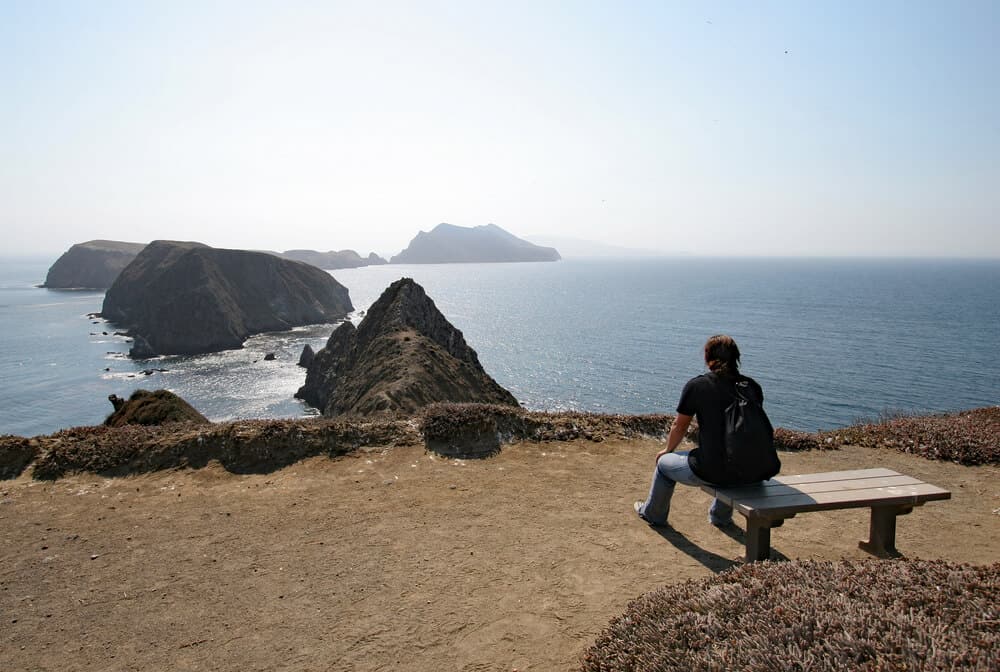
(677, 431)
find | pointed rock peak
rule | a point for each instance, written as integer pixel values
(404, 355)
(398, 299)
(405, 305)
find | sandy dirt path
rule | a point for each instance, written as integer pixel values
(394, 559)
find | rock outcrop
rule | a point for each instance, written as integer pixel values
(188, 298)
(16, 453)
(152, 408)
(91, 265)
(447, 244)
(403, 356)
(333, 259)
(307, 356)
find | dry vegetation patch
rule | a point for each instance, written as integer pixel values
(244, 446)
(789, 439)
(806, 615)
(967, 437)
(456, 429)
(473, 428)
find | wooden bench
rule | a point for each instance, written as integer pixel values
(769, 504)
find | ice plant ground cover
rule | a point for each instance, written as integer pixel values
(809, 615)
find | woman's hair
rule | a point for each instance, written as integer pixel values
(722, 355)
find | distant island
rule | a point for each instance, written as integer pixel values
(91, 265)
(449, 244)
(333, 259)
(184, 298)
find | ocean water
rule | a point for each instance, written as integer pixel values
(832, 341)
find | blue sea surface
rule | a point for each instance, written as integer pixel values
(832, 341)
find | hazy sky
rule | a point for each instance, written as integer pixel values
(798, 128)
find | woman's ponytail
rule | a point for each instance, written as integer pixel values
(722, 355)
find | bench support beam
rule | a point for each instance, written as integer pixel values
(758, 537)
(758, 546)
(882, 531)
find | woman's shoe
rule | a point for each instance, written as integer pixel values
(637, 507)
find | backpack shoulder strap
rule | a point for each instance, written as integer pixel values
(745, 391)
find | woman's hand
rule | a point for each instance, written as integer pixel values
(662, 453)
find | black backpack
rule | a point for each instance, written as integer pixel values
(749, 437)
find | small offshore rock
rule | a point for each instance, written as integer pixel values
(306, 358)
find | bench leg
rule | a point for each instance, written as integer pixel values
(758, 545)
(882, 531)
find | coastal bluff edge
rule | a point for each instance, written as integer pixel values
(255, 446)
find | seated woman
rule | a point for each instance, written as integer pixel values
(706, 397)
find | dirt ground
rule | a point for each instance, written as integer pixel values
(395, 559)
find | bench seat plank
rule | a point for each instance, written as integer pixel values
(833, 476)
(757, 491)
(843, 499)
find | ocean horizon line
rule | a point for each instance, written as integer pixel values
(43, 256)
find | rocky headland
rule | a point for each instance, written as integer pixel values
(448, 244)
(91, 265)
(187, 298)
(403, 356)
(334, 259)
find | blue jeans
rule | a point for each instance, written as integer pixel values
(672, 469)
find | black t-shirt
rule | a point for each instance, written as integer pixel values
(706, 397)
